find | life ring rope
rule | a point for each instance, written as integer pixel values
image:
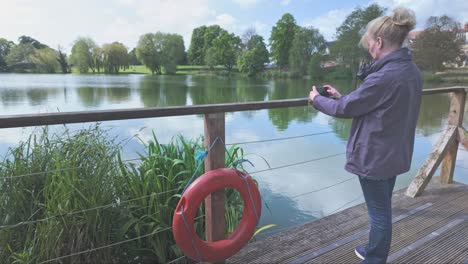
(199, 259)
(250, 195)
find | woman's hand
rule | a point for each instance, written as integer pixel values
(332, 91)
(313, 94)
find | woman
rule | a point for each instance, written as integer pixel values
(385, 110)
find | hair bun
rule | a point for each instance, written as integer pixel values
(403, 17)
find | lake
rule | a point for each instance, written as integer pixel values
(294, 194)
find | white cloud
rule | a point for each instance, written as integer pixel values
(56, 22)
(225, 21)
(285, 2)
(247, 3)
(328, 22)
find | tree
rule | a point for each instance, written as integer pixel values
(281, 39)
(211, 33)
(226, 49)
(438, 43)
(45, 60)
(62, 60)
(173, 52)
(316, 71)
(133, 57)
(195, 52)
(97, 59)
(253, 59)
(81, 56)
(346, 47)
(307, 41)
(5, 48)
(161, 50)
(248, 34)
(149, 51)
(115, 57)
(19, 58)
(28, 40)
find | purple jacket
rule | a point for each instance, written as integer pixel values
(385, 111)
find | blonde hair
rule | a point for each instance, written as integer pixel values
(392, 28)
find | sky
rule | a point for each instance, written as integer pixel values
(60, 22)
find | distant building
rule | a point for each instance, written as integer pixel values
(464, 35)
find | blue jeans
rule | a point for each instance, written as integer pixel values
(378, 196)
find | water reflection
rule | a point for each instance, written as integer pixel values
(433, 113)
(11, 97)
(213, 90)
(91, 96)
(160, 91)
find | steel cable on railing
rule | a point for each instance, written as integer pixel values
(279, 139)
(85, 210)
(298, 163)
(111, 245)
(140, 158)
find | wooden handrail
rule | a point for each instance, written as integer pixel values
(135, 113)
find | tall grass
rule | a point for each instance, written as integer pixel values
(72, 172)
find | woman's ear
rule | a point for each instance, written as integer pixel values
(379, 42)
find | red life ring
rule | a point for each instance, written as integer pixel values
(186, 210)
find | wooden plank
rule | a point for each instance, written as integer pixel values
(362, 233)
(426, 239)
(10, 121)
(286, 246)
(452, 89)
(426, 172)
(215, 222)
(457, 108)
(135, 113)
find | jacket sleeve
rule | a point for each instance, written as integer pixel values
(363, 100)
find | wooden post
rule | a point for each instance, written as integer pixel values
(214, 203)
(457, 108)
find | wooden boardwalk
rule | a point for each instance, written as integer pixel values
(432, 228)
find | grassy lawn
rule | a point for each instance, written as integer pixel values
(181, 69)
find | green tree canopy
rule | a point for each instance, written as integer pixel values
(115, 57)
(306, 42)
(346, 48)
(149, 51)
(81, 54)
(196, 49)
(213, 45)
(252, 60)
(161, 50)
(281, 39)
(226, 49)
(173, 51)
(28, 40)
(63, 61)
(438, 43)
(45, 60)
(133, 57)
(20, 57)
(5, 48)
(97, 57)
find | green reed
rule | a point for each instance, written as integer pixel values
(67, 173)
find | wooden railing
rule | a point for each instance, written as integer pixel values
(445, 150)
